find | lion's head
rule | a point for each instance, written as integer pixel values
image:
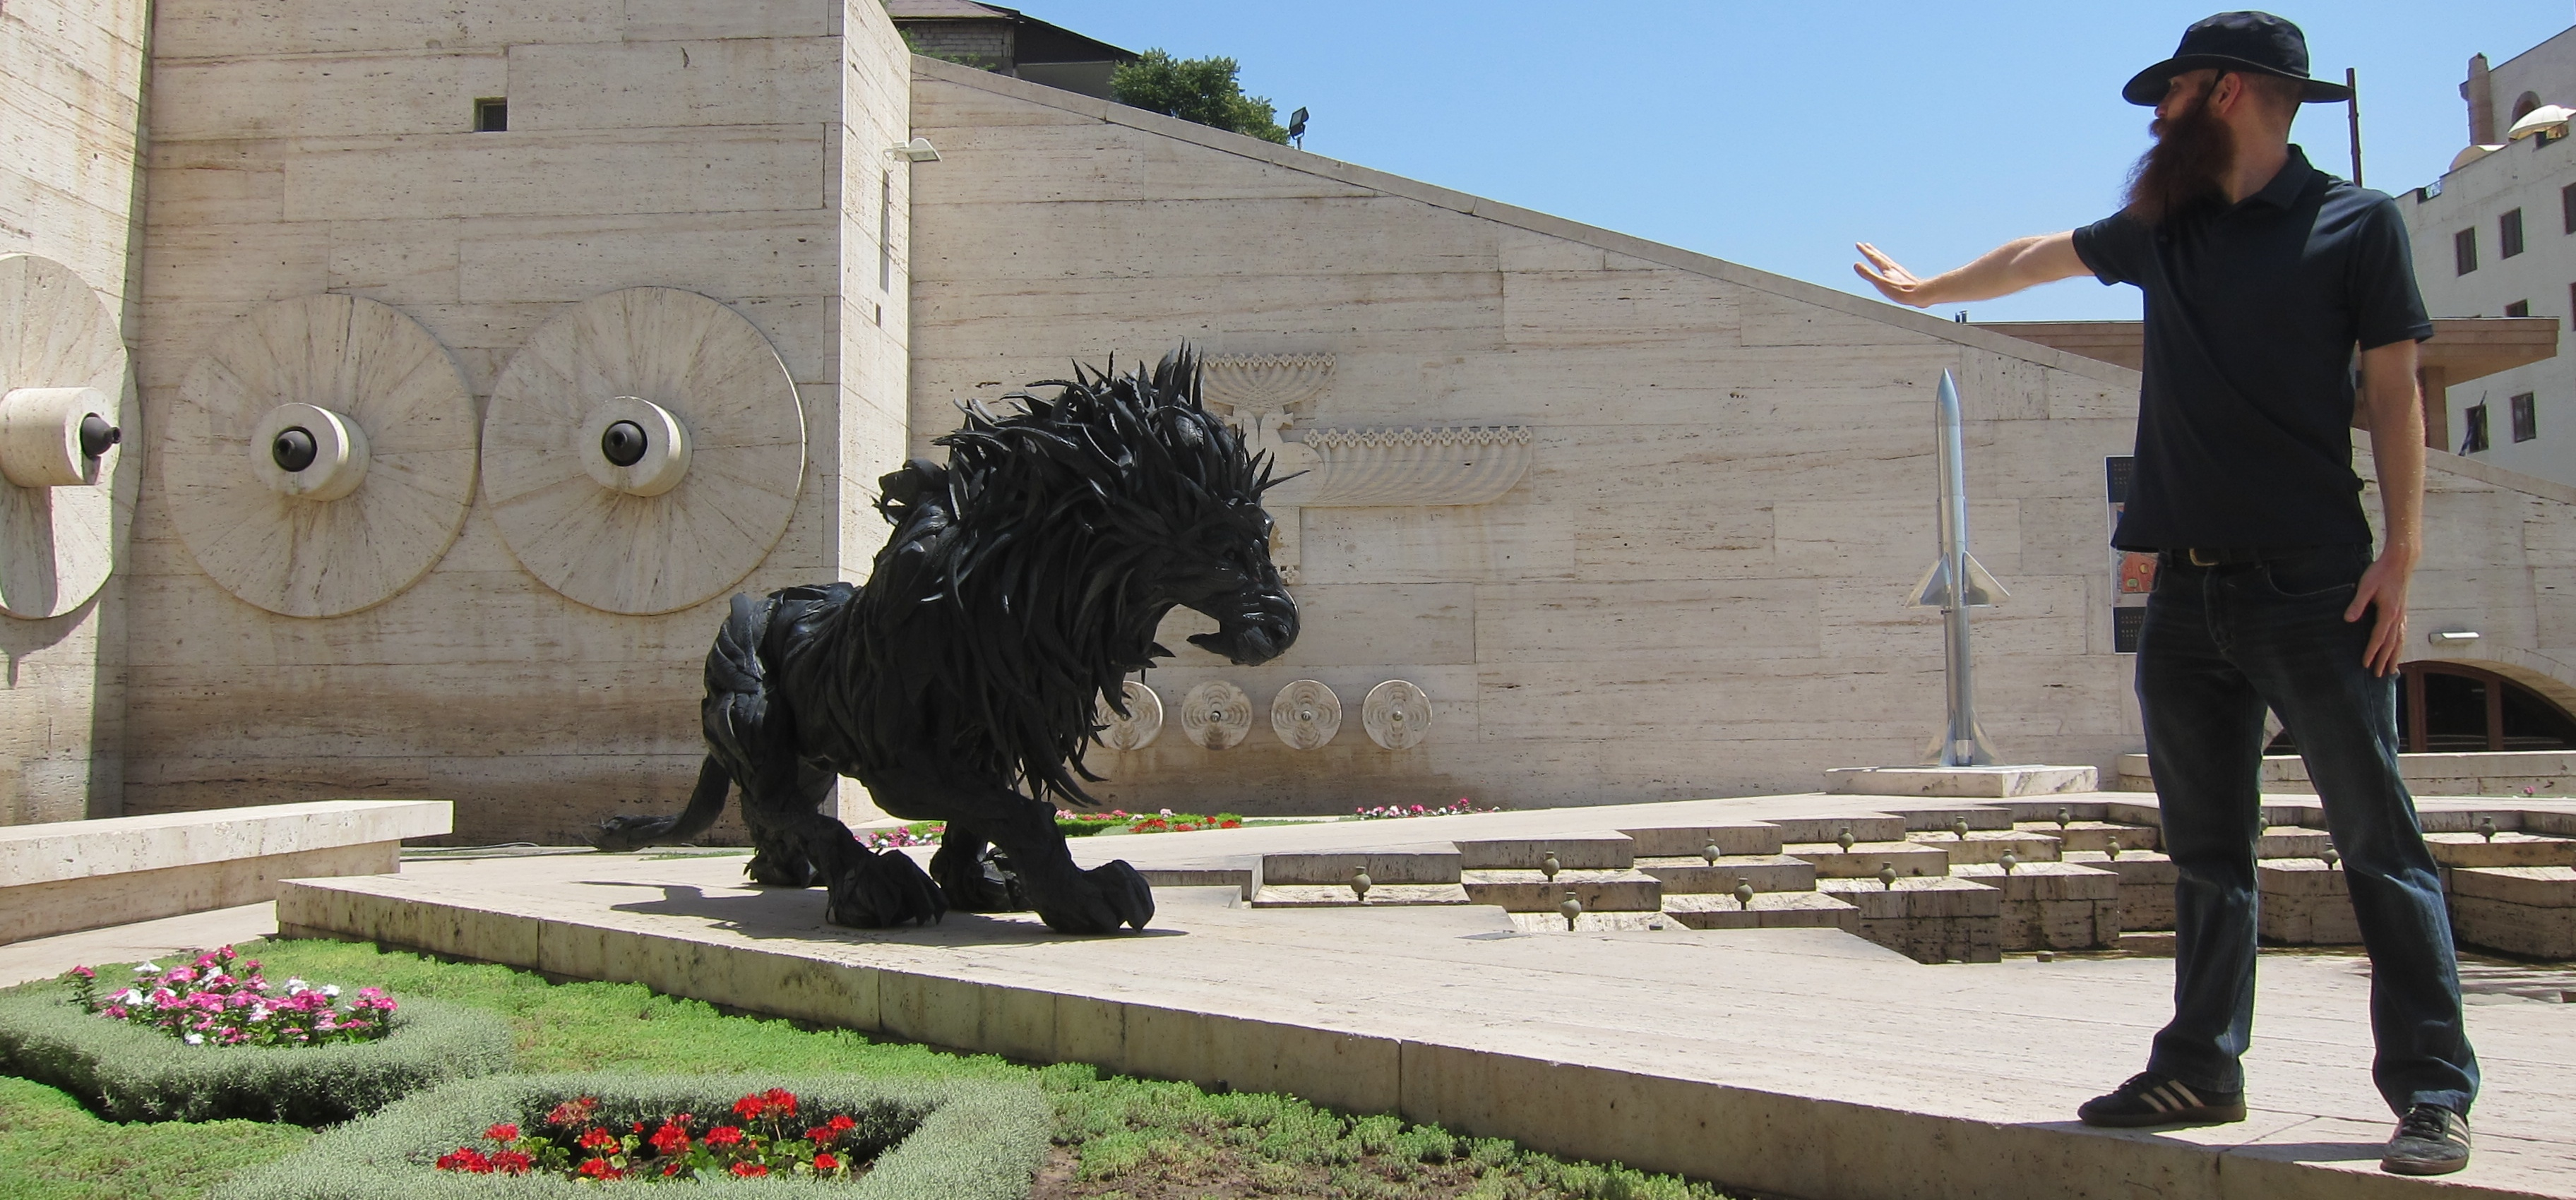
(1062, 534)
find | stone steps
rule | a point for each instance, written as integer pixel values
(1769, 910)
(1864, 859)
(2052, 905)
(1531, 891)
(1383, 895)
(1930, 919)
(1766, 872)
(1988, 846)
(2519, 910)
(2505, 849)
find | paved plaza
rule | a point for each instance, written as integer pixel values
(1802, 1061)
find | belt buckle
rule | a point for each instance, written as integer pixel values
(2194, 554)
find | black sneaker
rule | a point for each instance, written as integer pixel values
(2149, 1098)
(2431, 1140)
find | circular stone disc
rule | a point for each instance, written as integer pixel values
(1142, 724)
(625, 553)
(380, 371)
(1396, 714)
(58, 544)
(1216, 715)
(1306, 714)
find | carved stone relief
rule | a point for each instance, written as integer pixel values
(1306, 714)
(1397, 714)
(1142, 724)
(1266, 396)
(1216, 715)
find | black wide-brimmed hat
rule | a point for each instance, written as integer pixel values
(2237, 41)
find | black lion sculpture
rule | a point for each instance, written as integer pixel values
(1023, 581)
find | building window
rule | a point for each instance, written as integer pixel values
(2464, 250)
(2526, 422)
(2567, 207)
(2519, 308)
(2476, 438)
(2509, 234)
(491, 114)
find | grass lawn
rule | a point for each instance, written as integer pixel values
(1116, 1139)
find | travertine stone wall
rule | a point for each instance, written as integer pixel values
(71, 86)
(1696, 588)
(308, 147)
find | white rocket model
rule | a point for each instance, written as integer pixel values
(1955, 584)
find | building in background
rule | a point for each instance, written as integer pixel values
(1009, 42)
(2496, 237)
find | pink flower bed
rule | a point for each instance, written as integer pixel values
(222, 1000)
(1392, 811)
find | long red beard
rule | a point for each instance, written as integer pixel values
(2188, 164)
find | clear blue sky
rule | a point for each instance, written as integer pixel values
(1775, 135)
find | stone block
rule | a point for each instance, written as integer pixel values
(1383, 895)
(1937, 897)
(2053, 905)
(1612, 851)
(59, 877)
(1600, 891)
(2289, 841)
(2519, 910)
(1729, 839)
(1864, 859)
(1385, 868)
(2304, 903)
(1868, 828)
(1766, 872)
(1989, 846)
(2506, 850)
(2146, 885)
(1769, 910)
(1997, 782)
(2097, 835)
(1939, 820)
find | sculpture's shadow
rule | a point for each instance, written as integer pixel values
(796, 914)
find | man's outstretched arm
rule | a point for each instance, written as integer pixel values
(2008, 268)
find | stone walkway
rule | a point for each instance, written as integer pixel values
(1804, 1062)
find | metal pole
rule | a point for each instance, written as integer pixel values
(2352, 117)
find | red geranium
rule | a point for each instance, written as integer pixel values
(724, 1135)
(749, 1169)
(503, 1132)
(827, 1162)
(467, 1159)
(599, 1139)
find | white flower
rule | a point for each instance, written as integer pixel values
(1167, 812)
(331, 990)
(259, 1012)
(147, 968)
(295, 986)
(129, 996)
(195, 1039)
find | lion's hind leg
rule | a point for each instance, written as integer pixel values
(800, 846)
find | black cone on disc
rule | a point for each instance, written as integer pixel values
(293, 450)
(97, 436)
(623, 443)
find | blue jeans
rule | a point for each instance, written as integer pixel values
(2221, 644)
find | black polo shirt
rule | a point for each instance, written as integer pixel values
(2253, 309)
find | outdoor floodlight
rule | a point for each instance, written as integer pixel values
(2454, 637)
(917, 150)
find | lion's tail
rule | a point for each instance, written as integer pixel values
(737, 702)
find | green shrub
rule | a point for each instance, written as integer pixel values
(136, 1073)
(950, 1139)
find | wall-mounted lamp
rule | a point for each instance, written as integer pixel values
(917, 150)
(2454, 637)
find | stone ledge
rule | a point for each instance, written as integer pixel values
(1955, 782)
(66, 850)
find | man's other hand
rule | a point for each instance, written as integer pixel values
(2383, 587)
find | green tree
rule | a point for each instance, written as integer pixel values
(1195, 89)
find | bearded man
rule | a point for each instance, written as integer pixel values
(2261, 276)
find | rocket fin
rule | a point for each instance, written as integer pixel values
(1933, 590)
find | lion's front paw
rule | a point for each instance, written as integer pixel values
(620, 834)
(878, 890)
(1100, 900)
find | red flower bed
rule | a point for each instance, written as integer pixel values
(763, 1138)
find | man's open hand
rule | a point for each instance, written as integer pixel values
(1891, 279)
(2383, 587)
